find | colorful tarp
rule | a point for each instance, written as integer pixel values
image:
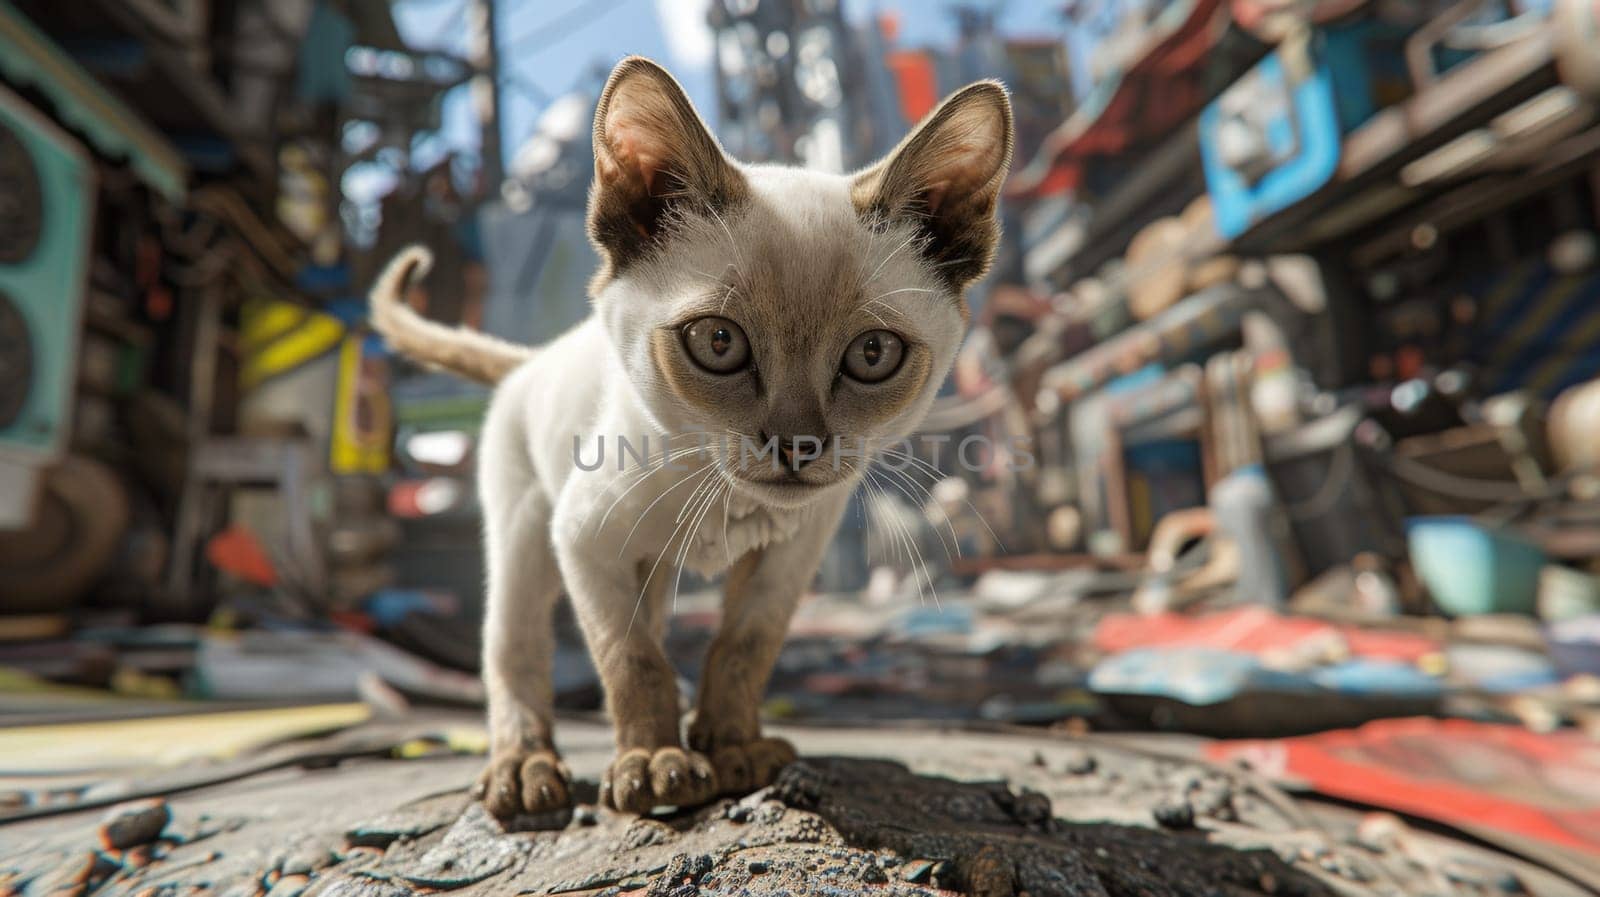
(1475, 775)
(1255, 630)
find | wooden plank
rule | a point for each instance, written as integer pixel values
(165, 741)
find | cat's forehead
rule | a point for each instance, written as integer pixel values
(800, 196)
(810, 264)
(802, 230)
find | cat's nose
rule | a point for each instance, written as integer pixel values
(797, 451)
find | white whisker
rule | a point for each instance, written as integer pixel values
(875, 271)
(727, 502)
(640, 474)
(935, 472)
(919, 566)
(694, 530)
(915, 501)
(643, 477)
(693, 499)
(901, 290)
(646, 512)
(732, 243)
(653, 567)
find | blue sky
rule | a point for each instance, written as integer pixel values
(670, 31)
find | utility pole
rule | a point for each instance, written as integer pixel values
(485, 58)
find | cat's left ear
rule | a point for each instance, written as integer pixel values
(946, 178)
(651, 153)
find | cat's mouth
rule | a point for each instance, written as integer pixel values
(785, 491)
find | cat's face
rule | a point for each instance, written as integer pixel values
(761, 302)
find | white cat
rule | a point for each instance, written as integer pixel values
(763, 304)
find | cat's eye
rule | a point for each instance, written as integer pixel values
(874, 356)
(716, 344)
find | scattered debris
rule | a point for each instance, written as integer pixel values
(980, 815)
(134, 824)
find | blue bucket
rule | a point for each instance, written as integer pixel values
(1471, 569)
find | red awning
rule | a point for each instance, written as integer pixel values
(1159, 91)
(917, 80)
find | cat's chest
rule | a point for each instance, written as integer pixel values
(734, 527)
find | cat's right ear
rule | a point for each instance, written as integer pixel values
(652, 153)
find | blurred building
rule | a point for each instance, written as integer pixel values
(783, 77)
(184, 364)
(1344, 252)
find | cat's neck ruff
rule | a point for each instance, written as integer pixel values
(750, 525)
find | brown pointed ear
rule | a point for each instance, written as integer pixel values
(652, 153)
(946, 177)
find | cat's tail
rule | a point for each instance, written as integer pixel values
(468, 353)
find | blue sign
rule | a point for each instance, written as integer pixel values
(1268, 142)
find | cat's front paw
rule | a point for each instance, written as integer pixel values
(744, 767)
(640, 779)
(524, 781)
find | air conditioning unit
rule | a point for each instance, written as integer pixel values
(47, 189)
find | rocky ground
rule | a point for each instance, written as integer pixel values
(893, 812)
